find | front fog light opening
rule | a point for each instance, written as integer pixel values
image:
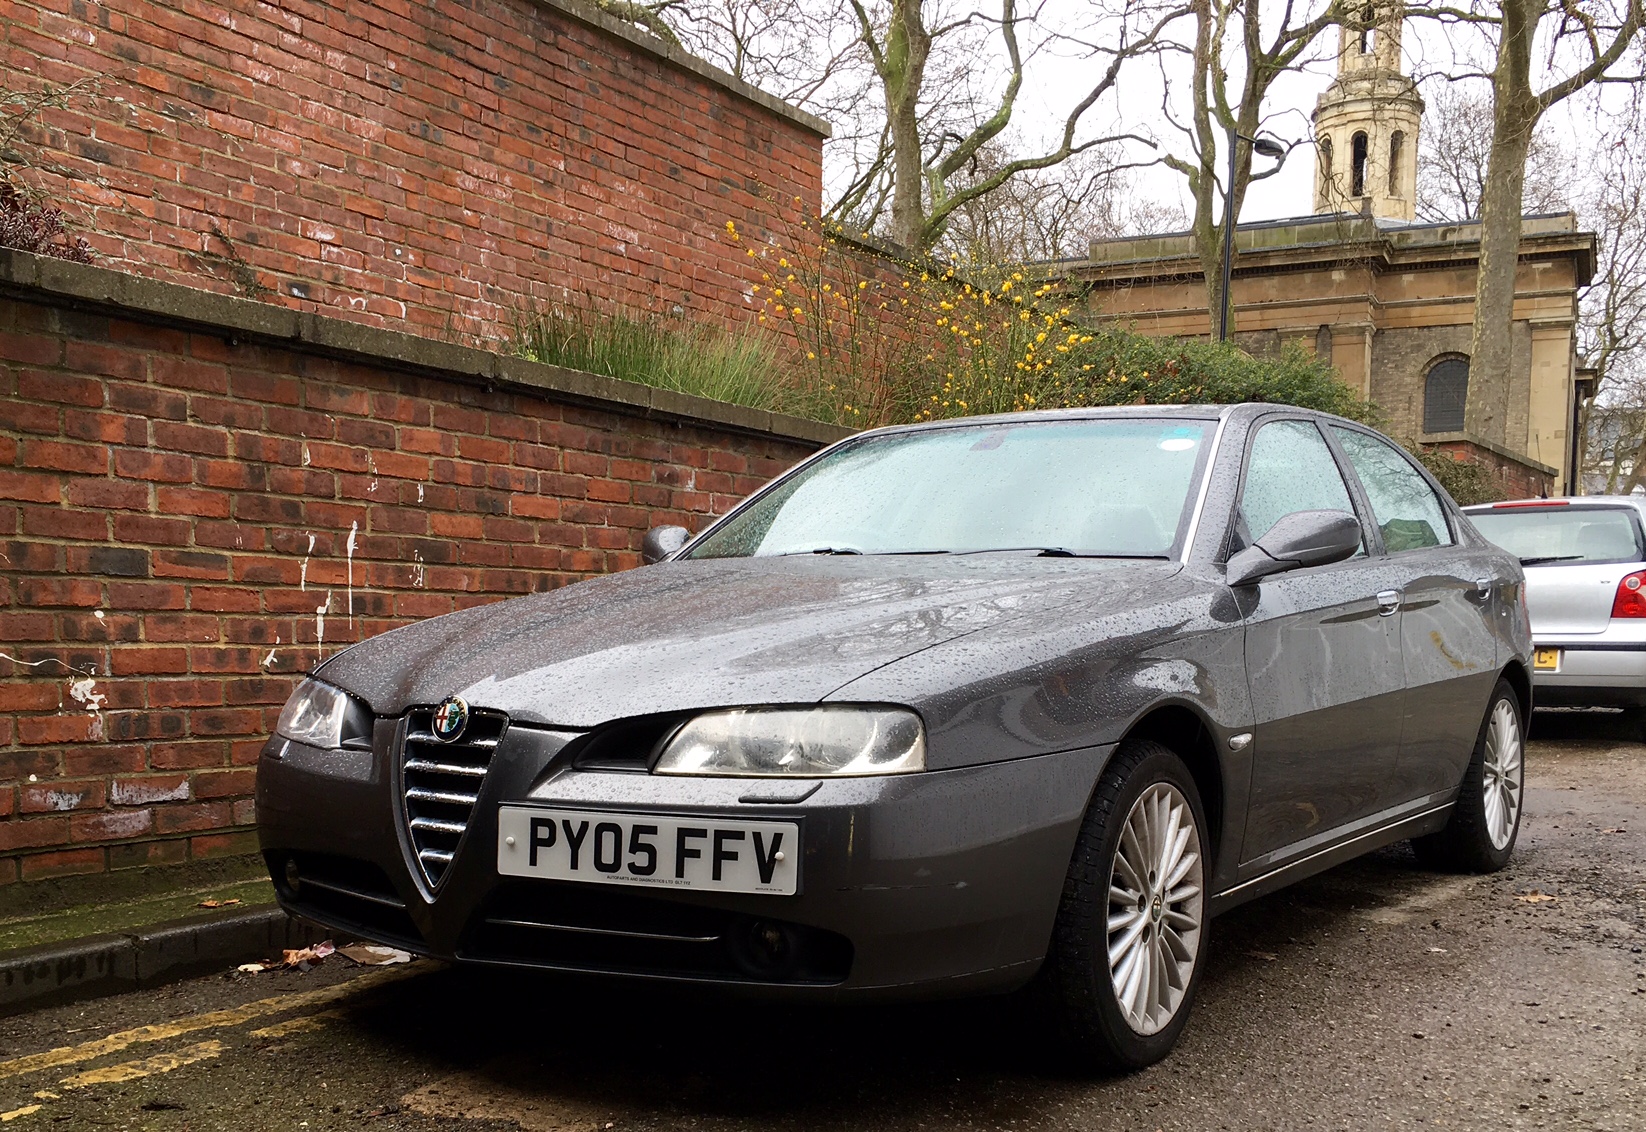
(294, 879)
(766, 949)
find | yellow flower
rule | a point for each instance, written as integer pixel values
(810, 357)
(730, 227)
(864, 285)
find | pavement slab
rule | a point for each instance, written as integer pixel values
(1375, 995)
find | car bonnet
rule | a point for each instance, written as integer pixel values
(686, 635)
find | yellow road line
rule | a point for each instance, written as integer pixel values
(131, 1070)
(302, 1024)
(164, 1031)
(8, 1117)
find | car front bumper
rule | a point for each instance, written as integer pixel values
(940, 882)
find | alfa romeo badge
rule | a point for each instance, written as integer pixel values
(451, 719)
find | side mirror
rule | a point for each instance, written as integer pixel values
(1303, 538)
(660, 542)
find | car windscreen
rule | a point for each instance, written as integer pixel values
(1117, 487)
(1552, 536)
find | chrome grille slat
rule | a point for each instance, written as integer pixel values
(441, 784)
(431, 767)
(437, 826)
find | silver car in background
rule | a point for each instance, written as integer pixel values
(1585, 563)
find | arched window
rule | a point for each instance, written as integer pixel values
(1367, 36)
(1357, 165)
(1445, 392)
(1397, 143)
(1326, 169)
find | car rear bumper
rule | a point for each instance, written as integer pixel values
(932, 883)
(1593, 673)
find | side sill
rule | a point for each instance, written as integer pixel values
(1429, 821)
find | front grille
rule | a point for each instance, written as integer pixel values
(598, 929)
(442, 783)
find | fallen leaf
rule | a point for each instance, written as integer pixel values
(217, 903)
(1534, 897)
(1437, 951)
(302, 958)
(251, 968)
(374, 955)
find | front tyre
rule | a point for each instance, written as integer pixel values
(1126, 948)
(1480, 836)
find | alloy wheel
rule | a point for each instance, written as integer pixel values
(1501, 776)
(1156, 908)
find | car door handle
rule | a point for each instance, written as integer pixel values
(1388, 602)
(1482, 590)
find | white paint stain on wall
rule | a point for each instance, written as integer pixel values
(417, 569)
(354, 530)
(320, 620)
(303, 570)
(268, 661)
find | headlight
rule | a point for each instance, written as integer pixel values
(320, 715)
(808, 742)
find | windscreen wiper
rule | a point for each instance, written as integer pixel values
(1538, 560)
(1056, 552)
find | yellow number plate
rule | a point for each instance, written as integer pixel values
(1546, 659)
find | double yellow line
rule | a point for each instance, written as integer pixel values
(212, 1020)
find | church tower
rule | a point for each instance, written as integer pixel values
(1366, 123)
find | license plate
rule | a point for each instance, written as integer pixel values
(1546, 659)
(659, 850)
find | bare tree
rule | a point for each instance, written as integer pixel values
(1051, 214)
(1240, 49)
(1578, 43)
(1453, 150)
(923, 171)
(1612, 315)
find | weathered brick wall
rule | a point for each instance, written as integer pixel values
(192, 513)
(439, 162)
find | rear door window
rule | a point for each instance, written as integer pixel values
(1562, 535)
(1405, 507)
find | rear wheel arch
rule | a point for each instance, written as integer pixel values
(1183, 730)
(1521, 681)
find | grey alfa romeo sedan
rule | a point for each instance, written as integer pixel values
(946, 709)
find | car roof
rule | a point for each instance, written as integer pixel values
(1245, 410)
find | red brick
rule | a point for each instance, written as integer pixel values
(67, 862)
(31, 833)
(86, 459)
(60, 797)
(113, 826)
(224, 783)
(191, 817)
(150, 789)
(238, 844)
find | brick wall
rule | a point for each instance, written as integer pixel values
(193, 511)
(432, 161)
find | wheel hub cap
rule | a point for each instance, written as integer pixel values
(1503, 777)
(1156, 908)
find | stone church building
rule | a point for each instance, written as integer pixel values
(1388, 299)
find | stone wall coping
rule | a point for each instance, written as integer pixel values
(1340, 237)
(41, 279)
(636, 36)
(1490, 446)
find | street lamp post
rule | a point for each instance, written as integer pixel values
(1267, 147)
